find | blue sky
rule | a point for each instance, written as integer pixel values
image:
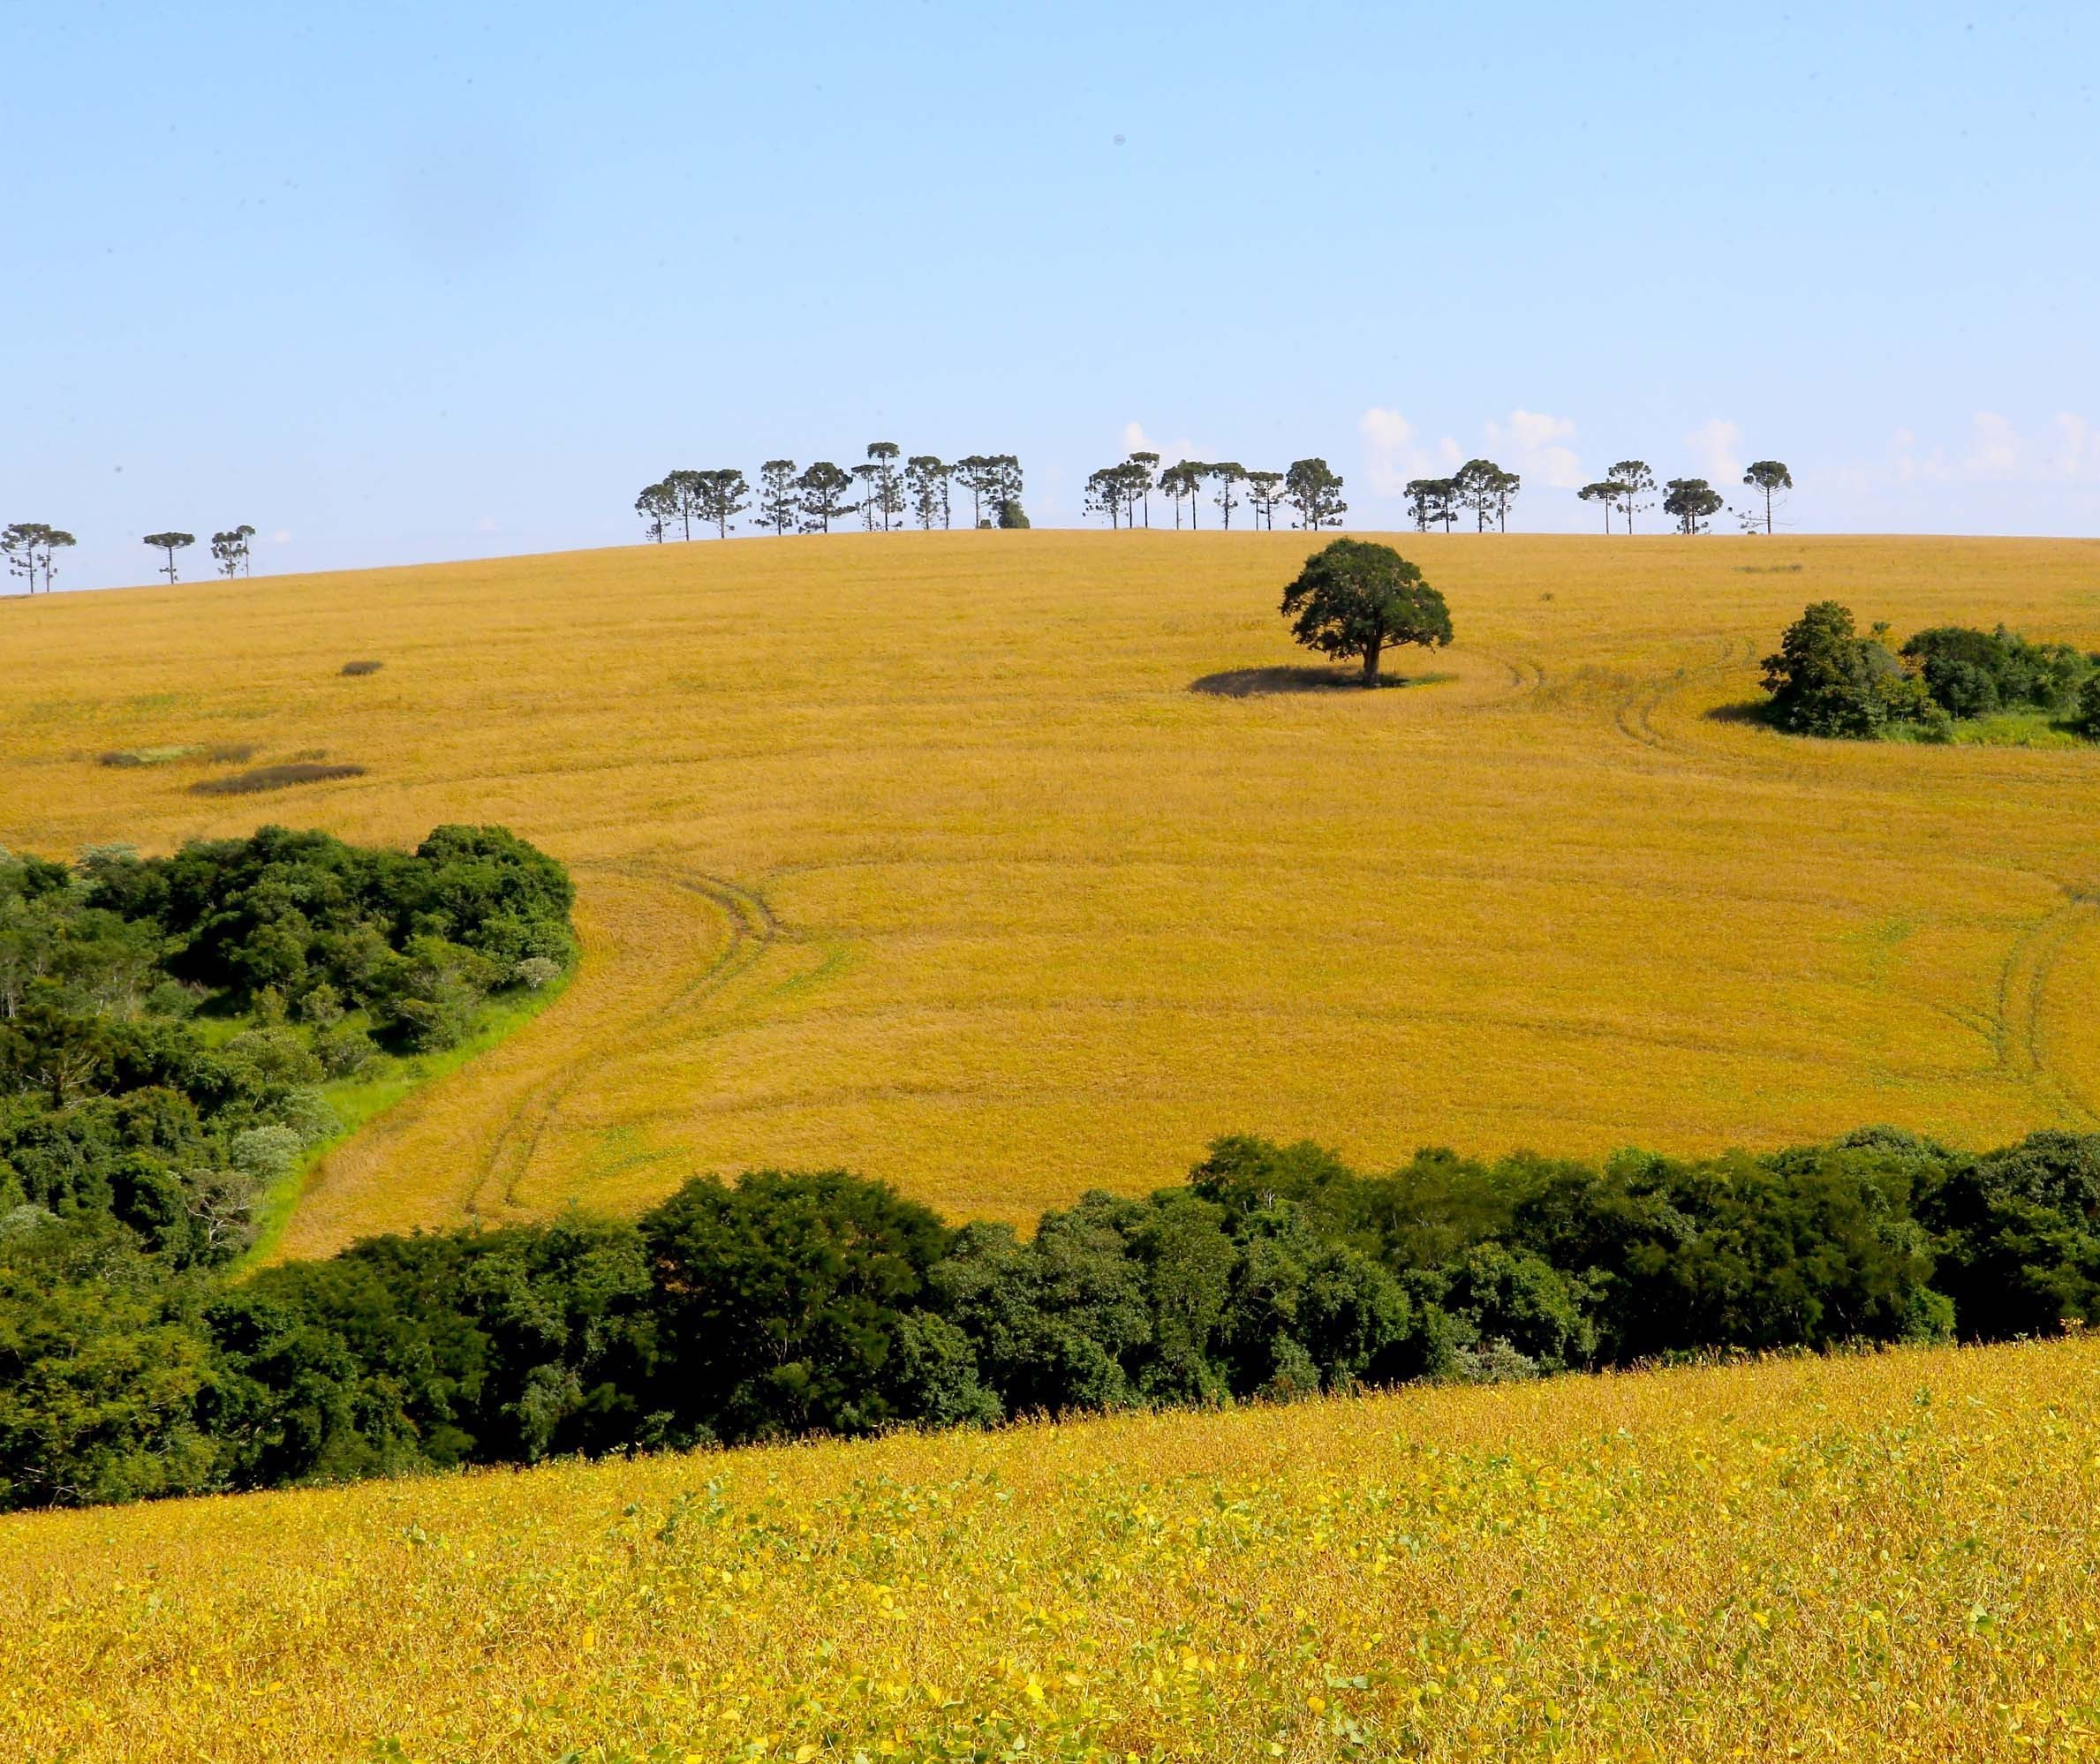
(395, 282)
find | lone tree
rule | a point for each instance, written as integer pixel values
(722, 495)
(1770, 477)
(229, 550)
(823, 488)
(1265, 489)
(1691, 502)
(926, 480)
(778, 506)
(169, 543)
(1358, 598)
(1605, 491)
(1635, 482)
(1139, 474)
(658, 506)
(1315, 493)
(1228, 473)
(1183, 479)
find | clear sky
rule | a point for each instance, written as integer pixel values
(396, 281)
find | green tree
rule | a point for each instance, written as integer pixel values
(1012, 515)
(975, 472)
(1105, 494)
(1139, 476)
(1607, 492)
(1478, 485)
(780, 1300)
(658, 506)
(778, 507)
(1180, 481)
(1227, 474)
(926, 480)
(28, 547)
(1264, 489)
(1431, 499)
(722, 495)
(1636, 489)
(170, 543)
(1315, 491)
(823, 489)
(1356, 598)
(1769, 477)
(1827, 680)
(229, 550)
(886, 486)
(1691, 502)
(2086, 719)
(684, 486)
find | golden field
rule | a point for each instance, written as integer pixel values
(918, 855)
(1889, 1557)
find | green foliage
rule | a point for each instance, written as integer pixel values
(1011, 514)
(1691, 502)
(1826, 680)
(1315, 491)
(121, 1096)
(1358, 598)
(2086, 719)
(791, 1304)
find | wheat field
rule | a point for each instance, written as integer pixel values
(926, 855)
(1888, 1558)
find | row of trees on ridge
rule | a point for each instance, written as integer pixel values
(1629, 487)
(887, 491)
(30, 548)
(1125, 492)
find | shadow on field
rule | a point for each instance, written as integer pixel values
(1262, 682)
(1756, 711)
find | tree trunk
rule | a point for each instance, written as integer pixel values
(1371, 651)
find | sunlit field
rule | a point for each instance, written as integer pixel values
(1887, 1558)
(932, 856)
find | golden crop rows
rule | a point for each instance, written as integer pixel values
(918, 854)
(1887, 1557)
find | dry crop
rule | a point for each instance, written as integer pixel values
(1877, 1558)
(918, 854)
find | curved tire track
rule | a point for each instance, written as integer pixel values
(753, 928)
(2020, 1031)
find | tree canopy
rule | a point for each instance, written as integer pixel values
(1358, 598)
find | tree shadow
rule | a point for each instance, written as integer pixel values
(1262, 682)
(1755, 711)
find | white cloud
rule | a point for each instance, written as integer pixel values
(1537, 447)
(2077, 454)
(1391, 456)
(1717, 444)
(1136, 440)
(1995, 448)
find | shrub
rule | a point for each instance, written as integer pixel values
(535, 971)
(1011, 514)
(2086, 720)
(1826, 680)
(357, 668)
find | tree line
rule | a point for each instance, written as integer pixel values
(1125, 492)
(1629, 488)
(1827, 679)
(166, 1024)
(886, 490)
(31, 548)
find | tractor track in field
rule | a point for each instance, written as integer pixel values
(2018, 1030)
(752, 931)
(1635, 716)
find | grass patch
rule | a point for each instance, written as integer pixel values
(2004, 728)
(273, 778)
(357, 669)
(170, 755)
(390, 1079)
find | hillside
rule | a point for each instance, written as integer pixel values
(1881, 1557)
(919, 855)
